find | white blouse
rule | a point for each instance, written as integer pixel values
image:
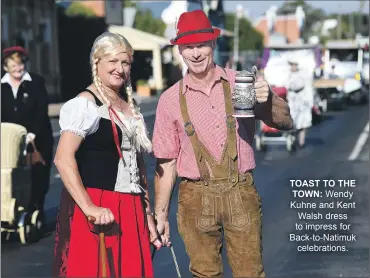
(81, 117)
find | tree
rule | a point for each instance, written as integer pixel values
(145, 21)
(249, 38)
(77, 9)
(128, 3)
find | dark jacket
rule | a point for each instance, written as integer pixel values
(30, 109)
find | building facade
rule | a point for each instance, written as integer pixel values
(285, 27)
(33, 25)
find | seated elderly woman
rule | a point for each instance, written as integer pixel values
(100, 160)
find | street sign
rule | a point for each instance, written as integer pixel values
(113, 12)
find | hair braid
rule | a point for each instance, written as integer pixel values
(106, 44)
(142, 132)
(97, 81)
(130, 100)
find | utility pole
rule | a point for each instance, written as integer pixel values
(339, 29)
(359, 18)
(352, 25)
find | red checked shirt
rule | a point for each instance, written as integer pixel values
(207, 113)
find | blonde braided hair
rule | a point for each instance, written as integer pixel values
(97, 81)
(106, 44)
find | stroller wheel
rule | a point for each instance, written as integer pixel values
(37, 221)
(290, 143)
(324, 105)
(24, 228)
(4, 236)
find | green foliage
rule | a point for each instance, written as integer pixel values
(345, 31)
(142, 82)
(77, 9)
(249, 38)
(128, 4)
(358, 25)
(145, 21)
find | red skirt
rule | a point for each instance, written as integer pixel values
(76, 250)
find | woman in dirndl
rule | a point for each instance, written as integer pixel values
(100, 160)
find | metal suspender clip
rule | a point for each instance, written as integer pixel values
(189, 128)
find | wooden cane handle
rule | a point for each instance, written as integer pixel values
(103, 249)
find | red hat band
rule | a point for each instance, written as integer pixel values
(194, 27)
(15, 49)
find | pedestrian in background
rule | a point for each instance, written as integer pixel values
(24, 101)
(300, 99)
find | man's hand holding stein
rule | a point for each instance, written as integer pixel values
(250, 88)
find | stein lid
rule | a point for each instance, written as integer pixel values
(244, 76)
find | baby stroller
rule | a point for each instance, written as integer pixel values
(266, 135)
(16, 213)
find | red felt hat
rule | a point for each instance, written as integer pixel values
(194, 27)
(14, 49)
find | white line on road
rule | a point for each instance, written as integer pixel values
(149, 113)
(360, 143)
(145, 114)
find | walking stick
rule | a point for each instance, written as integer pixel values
(173, 257)
(102, 249)
(172, 253)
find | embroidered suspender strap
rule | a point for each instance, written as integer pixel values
(231, 134)
(190, 131)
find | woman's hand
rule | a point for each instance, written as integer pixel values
(163, 228)
(153, 234)
(99, 215)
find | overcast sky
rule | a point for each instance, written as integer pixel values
(256, 8)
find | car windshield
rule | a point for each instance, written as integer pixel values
(344, 55)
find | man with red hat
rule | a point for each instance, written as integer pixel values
(196, 138)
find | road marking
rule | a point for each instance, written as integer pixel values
(56, 134)
(360, 143)
(149, 113)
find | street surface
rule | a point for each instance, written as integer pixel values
(330, 144)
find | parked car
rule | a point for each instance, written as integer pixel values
(343, 61)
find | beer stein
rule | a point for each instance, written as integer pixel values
(244, 94)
